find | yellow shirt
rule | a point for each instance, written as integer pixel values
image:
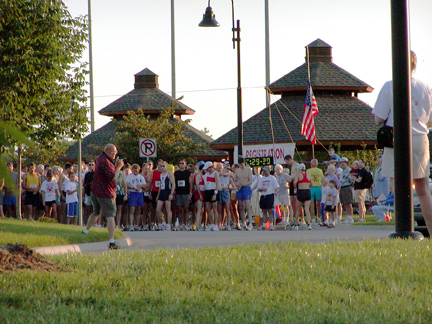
(32, 181)
(316, 176)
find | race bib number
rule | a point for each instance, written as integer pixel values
(162, 185)
(157, 184)
(224, 185)
(181, 183)
(146, 193)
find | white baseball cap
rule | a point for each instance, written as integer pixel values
(207, 165)
(301, 166)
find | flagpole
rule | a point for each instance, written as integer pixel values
(308, 70)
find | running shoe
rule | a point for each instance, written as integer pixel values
(295, 228)
(309, 227)
(271, 227)
(215, 228)
(114, 246)
(249, 227)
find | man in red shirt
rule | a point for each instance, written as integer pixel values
(103, 191)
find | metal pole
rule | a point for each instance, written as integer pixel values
(402, 121)
(173, 69)
(92, 113)
(80, 182)
(267, 44)
(19, 199)
(239, 93)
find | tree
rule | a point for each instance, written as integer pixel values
(42, 79)
(172, 144)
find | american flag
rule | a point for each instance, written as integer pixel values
(310, 110)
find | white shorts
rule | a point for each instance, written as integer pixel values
(284, 199)
(420, 158)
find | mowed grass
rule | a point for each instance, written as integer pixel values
(35, 234)
(370, 281)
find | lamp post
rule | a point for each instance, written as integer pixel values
(210, 21)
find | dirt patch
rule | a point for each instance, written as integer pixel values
(15, 257)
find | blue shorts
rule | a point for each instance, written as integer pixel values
(315, 193)
(10, 201)
(223, 197)
(72, 209)
(245, 193)
(136, 199)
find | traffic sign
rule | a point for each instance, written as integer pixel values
(147, 147)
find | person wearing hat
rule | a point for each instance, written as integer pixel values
(302, 182)
(211, 180)
(346, 193)
(268, 186)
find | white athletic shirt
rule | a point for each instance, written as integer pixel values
(133, 181)
(49, 187)
(71, 186)
(270, 183)
(421, 103)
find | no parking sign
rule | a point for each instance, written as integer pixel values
(147, 147)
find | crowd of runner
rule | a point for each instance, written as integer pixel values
(209, 196)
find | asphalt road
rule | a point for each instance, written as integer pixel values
(152, 240)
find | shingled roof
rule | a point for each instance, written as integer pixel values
(146, 96)
(324, 76)
(105, 134)
(150, 100)
(341, 118)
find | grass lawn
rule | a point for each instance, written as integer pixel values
(338, 282)
(371, 220)
(46, 234)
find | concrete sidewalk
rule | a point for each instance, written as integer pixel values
(153, 240)
(80, 248)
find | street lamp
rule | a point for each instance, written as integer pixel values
(210, 21)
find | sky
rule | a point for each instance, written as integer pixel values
(130, 35)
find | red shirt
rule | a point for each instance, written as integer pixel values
(156, 180)
(103, 184)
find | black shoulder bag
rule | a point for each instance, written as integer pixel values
(385, 136)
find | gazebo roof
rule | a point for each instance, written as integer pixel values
(343, 119)
(324, 76)
(150, 100)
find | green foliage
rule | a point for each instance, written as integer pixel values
(43, 155)
(9, 133)
(41, 76)
(172, 144)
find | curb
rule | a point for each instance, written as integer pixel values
(80, 248)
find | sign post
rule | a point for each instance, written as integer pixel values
(147, 147)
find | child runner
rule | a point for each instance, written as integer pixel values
(50, 191)
(71, 188)
(331, 202)
(324, 191)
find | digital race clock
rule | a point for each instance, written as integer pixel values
(259, 161)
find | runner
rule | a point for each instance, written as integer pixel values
(182, 194)
(268, 186)
(243, 181)
(211, 180)
(226, 182)
(165, 196)
(316, 175)
(303, 182)
(135, 183)
(199, 194)
(31, 184)
(283, 180)
(50, 191)
(292, 191)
